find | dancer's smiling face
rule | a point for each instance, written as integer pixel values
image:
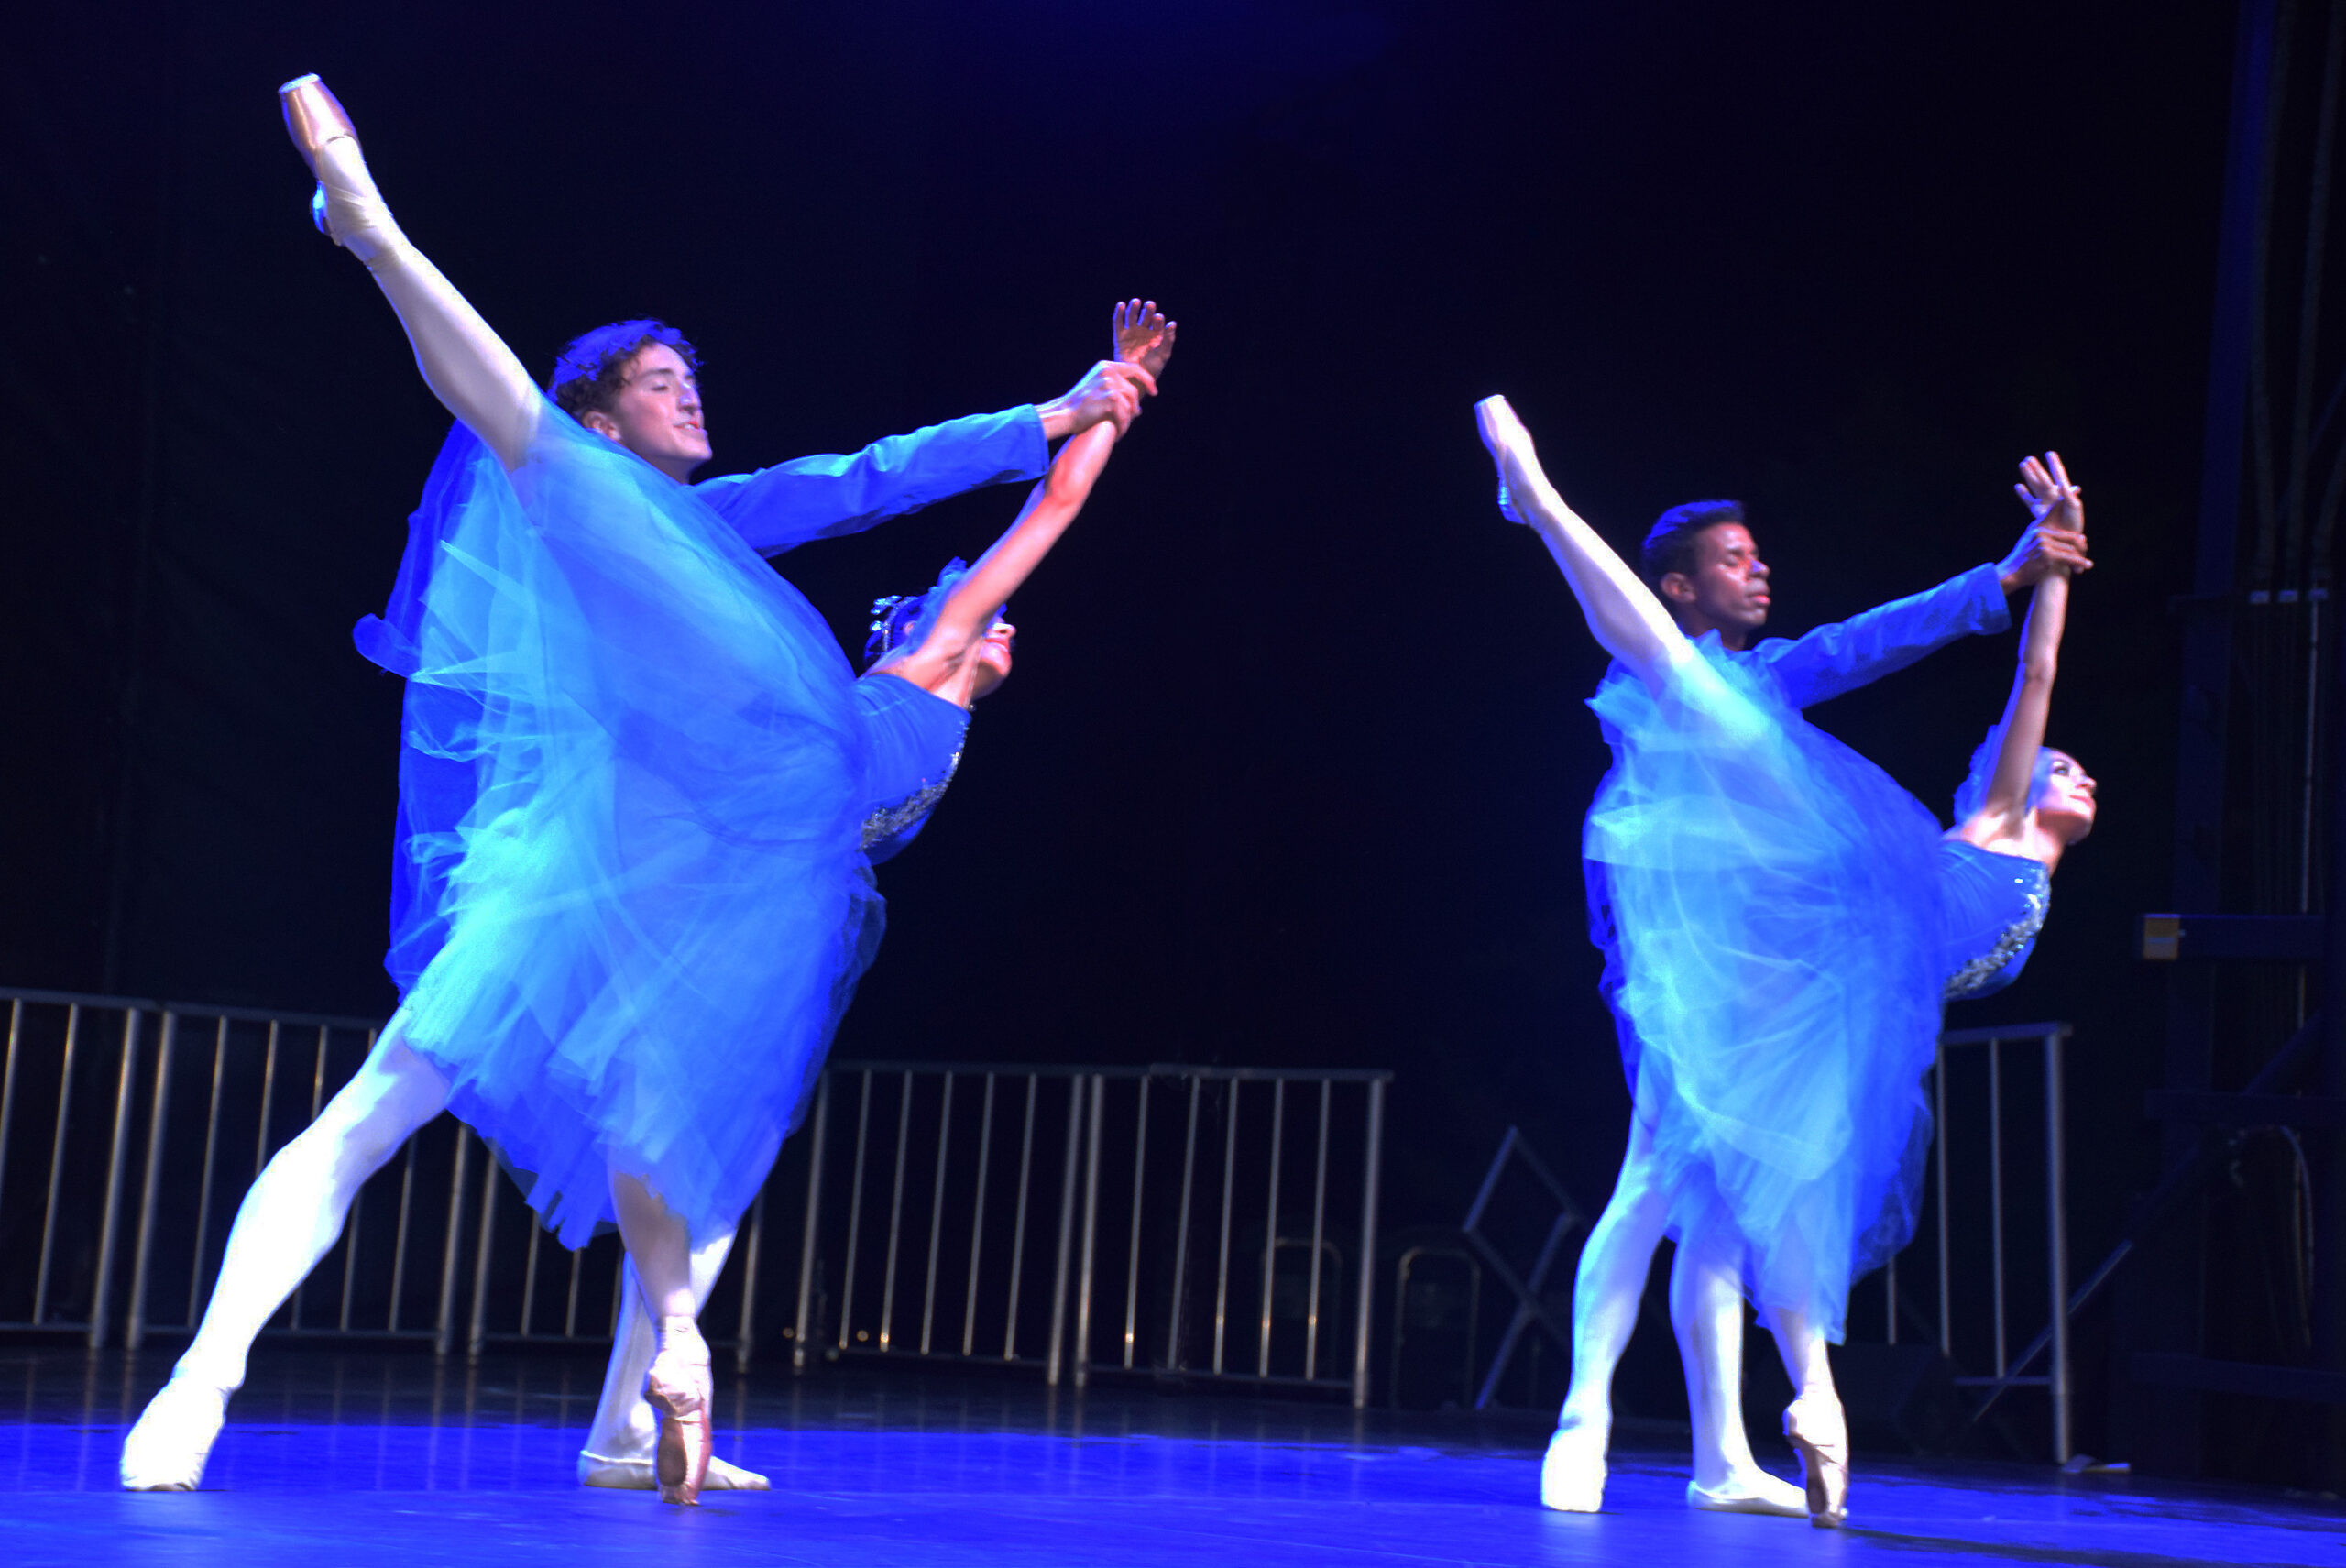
(1727, 590)
(657, 414)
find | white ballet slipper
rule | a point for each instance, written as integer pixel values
(638, 1475)
(1750, 1492)
(1572, 1475)
(166, 1450)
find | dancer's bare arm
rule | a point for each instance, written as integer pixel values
(1626, 618)
(467, 365)
(2059, 508)
(1144, 339)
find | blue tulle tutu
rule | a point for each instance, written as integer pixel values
(629, 906)
(1780, 939)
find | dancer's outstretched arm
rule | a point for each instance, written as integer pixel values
(1144, 337)
(2056, 502)
(467, 365)
(1626, 618)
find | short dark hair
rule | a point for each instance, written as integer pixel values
(1669, 547)
(592, 368)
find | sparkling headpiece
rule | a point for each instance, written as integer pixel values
(896, 619)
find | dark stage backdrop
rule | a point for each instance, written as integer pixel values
(1293, 766)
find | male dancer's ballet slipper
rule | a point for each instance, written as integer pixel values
(681, 1389)
(638, 1474)
(1820, 1434)
(1572, 1475)
(346, 206)
(166, 1450)
(1750, 1492)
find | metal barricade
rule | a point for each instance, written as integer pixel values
(208, 1082)
(1947, 1201)
(1136, 1198)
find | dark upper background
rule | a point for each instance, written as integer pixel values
(1293, 766)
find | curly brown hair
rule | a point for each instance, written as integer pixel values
(592, 368)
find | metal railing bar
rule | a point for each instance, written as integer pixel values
(978, 1223)
(855, 1212)
(1132, 1263)
(8, 1083)
(187, 1009)
(937, 1214)
(1996, 1188)
(1018, 1234)
(56, 1167)
(529, 1276)
(1995, 1032)
(2057, 1241)
(1090, 1231)
(1173, 1355)
(746, 1338)
(196, 1269)
(444, 1325)
(570, 1301)
(1318, 1232)
(133, 1331)
(1372, 1159)
(895, 1212)
(1938, 1153)
(1067, 1232)
(479, 1325)
(1229, 1177)
(267, 1097)
(117, 1151)
(1271, 1221)
(1154, 1070)
(802, 1329)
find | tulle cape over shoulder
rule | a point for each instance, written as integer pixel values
(627, 905)
(1774, 893)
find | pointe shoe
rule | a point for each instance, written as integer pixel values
(166, 1450)
(1820, 1434)
(346, 206)
(1572, 1475)
(1750, 1492)
(639, 1476)
(681, 1389)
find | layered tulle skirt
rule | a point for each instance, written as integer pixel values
(628, 904)
(1774, 898)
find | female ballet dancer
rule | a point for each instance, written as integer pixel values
(928, 658)
(632, 760)
(1790, 922)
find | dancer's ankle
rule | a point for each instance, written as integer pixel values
(205, 1372)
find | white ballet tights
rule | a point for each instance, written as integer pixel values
(297, 1205)
(1705, 1309)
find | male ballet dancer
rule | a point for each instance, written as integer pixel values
(1701, 561)
(635, 384)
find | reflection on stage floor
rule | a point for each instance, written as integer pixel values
(354, 1459)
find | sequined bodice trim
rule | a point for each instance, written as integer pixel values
(1974, 976)
(891, 820)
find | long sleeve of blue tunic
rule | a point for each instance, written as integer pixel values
(1847, 655)
(832, 493)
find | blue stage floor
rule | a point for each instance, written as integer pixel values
(350, 1459)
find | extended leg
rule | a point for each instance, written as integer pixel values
(1706, 1311)
(619, 1450)
(288, 1220)
(1606, 1292)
